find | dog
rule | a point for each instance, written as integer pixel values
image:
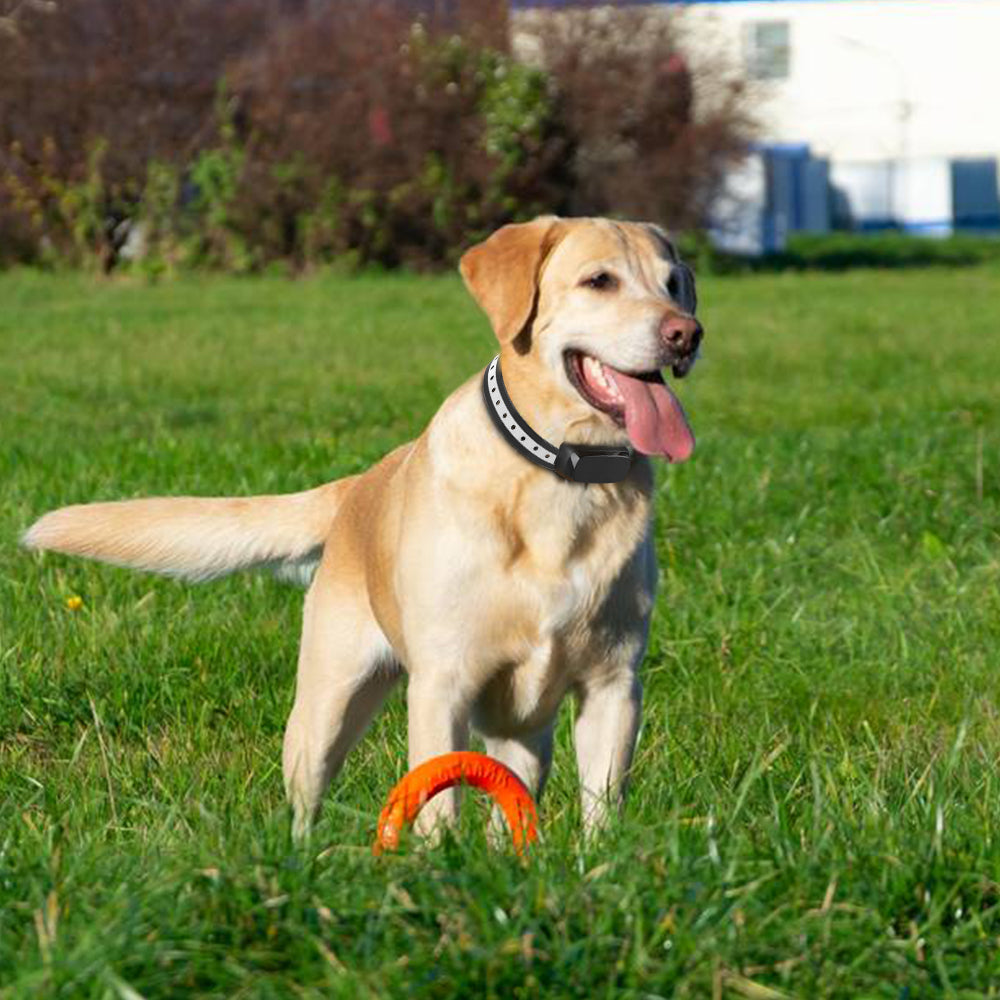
(497, 586)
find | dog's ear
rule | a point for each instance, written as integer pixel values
(662, 240)
(502, 272)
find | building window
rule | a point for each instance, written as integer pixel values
(767, 50)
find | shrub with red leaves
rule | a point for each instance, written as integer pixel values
(93, 90)
(397, 140)
(654, 137)
(244, 132)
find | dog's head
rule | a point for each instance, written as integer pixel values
(590, 311)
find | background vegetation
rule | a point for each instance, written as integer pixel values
(252, 132)
(816, 796)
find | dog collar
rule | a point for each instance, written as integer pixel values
(580, 463)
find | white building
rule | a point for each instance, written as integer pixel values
(897, 100)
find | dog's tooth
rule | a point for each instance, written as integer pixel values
(597, 372)
(610, 384)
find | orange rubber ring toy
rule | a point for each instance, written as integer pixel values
(439, 773)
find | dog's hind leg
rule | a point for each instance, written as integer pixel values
(346, 668)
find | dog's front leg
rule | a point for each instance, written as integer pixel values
(438, 722)
(607, 725)
(530, 758)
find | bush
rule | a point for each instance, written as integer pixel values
(236, 134)
(645, 147)
(842, 251)
(839, 251)
(394, 140)
(110, 84)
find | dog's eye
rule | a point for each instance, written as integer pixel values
(601, 282)
(673, 286)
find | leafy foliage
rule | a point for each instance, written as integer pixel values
(353, 130)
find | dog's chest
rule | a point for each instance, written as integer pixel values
(561, 604)
(556, 637)
(575, 549)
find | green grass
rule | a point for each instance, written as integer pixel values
(816, 796)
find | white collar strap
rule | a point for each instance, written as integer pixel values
(580, 463)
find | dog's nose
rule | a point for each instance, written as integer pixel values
(682, 334)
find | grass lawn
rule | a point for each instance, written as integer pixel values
(815, 807)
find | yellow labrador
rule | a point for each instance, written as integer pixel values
(494, 583)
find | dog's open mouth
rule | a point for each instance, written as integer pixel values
(640, 402)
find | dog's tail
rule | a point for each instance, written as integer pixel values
(198, 538)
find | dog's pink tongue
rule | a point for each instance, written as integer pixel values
(654, 418)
